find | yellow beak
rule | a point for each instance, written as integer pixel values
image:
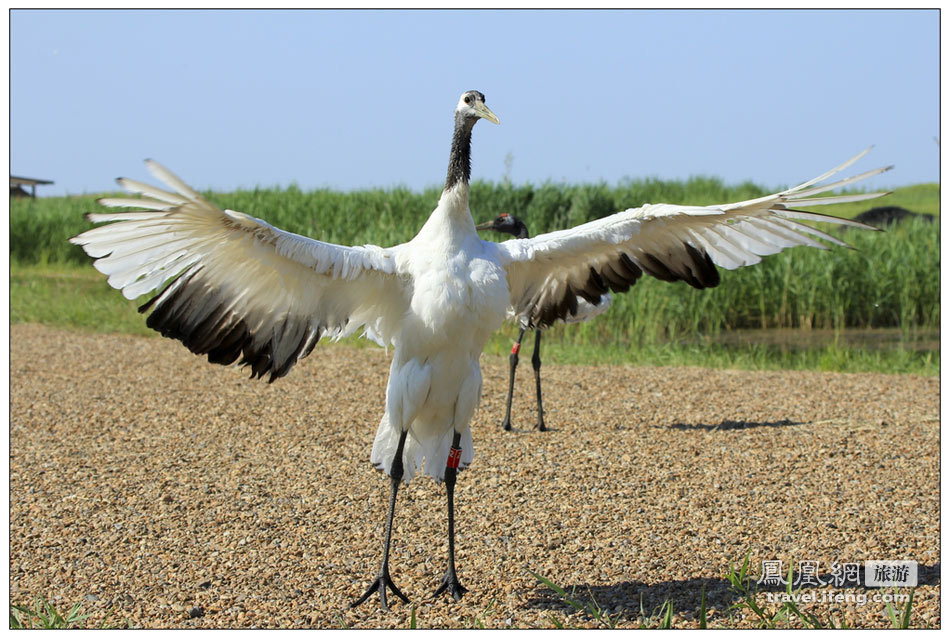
(483, 111)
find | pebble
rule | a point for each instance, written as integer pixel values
(193, 497)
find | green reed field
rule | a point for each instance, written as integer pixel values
(890, 281)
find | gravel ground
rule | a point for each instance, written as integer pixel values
(168, 492)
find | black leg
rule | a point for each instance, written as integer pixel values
(536, 364)
(512, 364)
(450, 582)
(384, 580)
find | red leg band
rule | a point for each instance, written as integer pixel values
(515, 348)
(455, 455)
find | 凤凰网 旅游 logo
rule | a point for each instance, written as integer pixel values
(877, 573)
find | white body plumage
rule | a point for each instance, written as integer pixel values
(457, 299)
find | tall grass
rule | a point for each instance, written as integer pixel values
(890, 280)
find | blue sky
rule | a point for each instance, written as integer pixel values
(357, 99)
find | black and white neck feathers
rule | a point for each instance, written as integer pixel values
(471, 107)
(460, 157)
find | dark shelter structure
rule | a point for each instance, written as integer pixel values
(17, 186)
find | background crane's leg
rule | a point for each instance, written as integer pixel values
(512, 364)
(450, 582)
(536, 363)
(384, 580)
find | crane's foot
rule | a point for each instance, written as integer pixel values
(506, 425)
(542, 427)
(382, 582)
(450, 584)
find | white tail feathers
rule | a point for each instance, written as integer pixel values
(429, 455)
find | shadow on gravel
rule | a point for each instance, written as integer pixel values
(928, 574)
(623, 601)
(729, 425)
(635, 601)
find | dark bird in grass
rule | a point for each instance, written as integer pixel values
(882, 216)
(511, 225)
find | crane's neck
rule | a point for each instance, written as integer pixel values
(460, 158)
(452, 214)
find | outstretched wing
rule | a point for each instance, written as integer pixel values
(547, 273)
(239, 287)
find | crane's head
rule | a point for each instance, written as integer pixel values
(506, 223)
(472, 106)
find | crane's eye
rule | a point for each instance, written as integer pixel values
(468, 99)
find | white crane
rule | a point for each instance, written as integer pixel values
(513, 225)
(243, 291)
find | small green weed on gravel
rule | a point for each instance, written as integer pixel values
(44, 616)
(478, 622)
(744, 588)
(900, 620)
(659, 619)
